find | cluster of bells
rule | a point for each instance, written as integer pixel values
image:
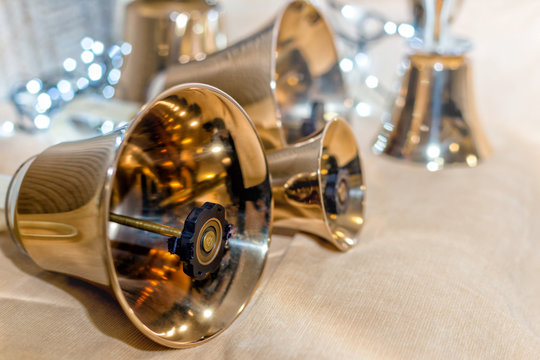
(173, 213)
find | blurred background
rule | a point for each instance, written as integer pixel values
(38, 39)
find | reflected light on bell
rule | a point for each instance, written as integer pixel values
(95, 71)
(171, 332)
(207, 313)
(194, 123)
(432, 166)
(175, 184)
(358, 220)
(346, 65)
(329, 115)
(361, 59)
(390, 27)
(183, 328)
(7, 128)
(33, 86)
(43, 102)
(216, 149)
(198, 29)
(98, 47)
(213, 15)
(64, 86)
(186, 141)
(209, 176)
(42, 121)
(114, 76)
(181, 21)
(292, 80)
(82, 83)
(107, 126)
(406, 30)
(433, 151)
(108, 92)
(363, 109)
(69, 64)
(87, 42)
(372, 81)
(87, 56)
(349, 12)
(453, 147)
(472, 160)
(125, 48)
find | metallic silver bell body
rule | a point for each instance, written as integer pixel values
(163, 33)
(286, 76)
(433, 119)
(318, 185)
(191, 145)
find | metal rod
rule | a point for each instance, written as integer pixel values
(150, 226)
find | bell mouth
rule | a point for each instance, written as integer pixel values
(191, 145)
(308, 84)
(341, 183)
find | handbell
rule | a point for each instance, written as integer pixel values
(433, 120)
(318, 185)
(172, 213)
(286, 76)
(163, 33)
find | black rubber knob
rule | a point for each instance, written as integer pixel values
(203, 241)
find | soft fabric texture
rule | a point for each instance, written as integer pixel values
(447, 265)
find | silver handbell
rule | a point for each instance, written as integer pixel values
(164, 33)
(172, 213)
(286, 76)
(318, 185)
(433, 120)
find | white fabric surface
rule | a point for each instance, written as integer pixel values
(447, 265)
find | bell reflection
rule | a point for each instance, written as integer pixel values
(190, 157)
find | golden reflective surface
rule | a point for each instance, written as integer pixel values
(286, 76)
(318, 185)
(191, 145)
(164, 33)
(433, 120)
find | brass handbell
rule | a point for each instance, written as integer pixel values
(433, 119)
(172, 213)
(286, 76)
(318, 185)
(163, 33)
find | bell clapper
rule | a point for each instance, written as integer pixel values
(200, 244)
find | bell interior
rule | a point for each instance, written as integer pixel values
(342, 184)
(190, 146)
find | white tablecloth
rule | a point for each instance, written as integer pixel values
(447, 267)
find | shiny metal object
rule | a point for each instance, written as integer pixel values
(192, 137)
(318, 185)
(286, 76)
(167, 32)
(145, 225)
(433, 119)
(419, 13)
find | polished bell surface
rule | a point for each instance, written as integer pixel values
(191, 146)
(286, 76)
(318, 185)
(433, 119)
(163, 33)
